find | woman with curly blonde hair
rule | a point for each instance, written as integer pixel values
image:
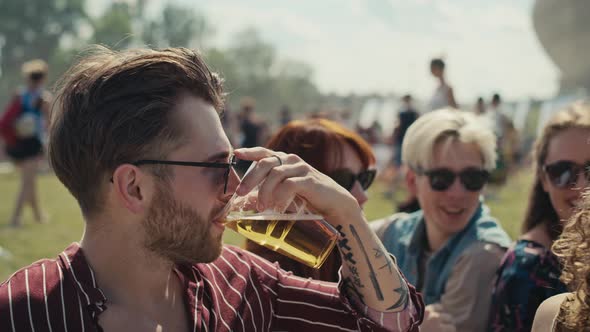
(570, 311)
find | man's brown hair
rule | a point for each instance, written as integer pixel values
(117, 107)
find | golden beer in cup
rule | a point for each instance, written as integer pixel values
(305, 238)
(294, 232)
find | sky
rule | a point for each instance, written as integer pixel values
(385, 46)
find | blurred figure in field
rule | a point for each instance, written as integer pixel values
(229, 121)
(335, 151)
(443, 95)
(451, 248)
(23, 126)
(406, 117)
(529, 273)
(372, 134)
(480, 107)
(250, 128)
(249, 123)
(570, 312)
(347, 118)
(285, 115)
(507, 140)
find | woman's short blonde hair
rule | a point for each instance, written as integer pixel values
(440, 126)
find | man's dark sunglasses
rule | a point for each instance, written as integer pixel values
(441, 179)
(228, 166)
(565, 174)
(346, 178)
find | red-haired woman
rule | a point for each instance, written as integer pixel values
(335, 151)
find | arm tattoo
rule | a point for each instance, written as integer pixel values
(348, 257)
(403, 295)
(372, 274)
(388, 262)
(403, 289)
(349, 288)
(343, 245)
(353, 283)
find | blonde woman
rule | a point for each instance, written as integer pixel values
(530, 272)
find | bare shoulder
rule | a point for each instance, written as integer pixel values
(538, 234)
(547, 312)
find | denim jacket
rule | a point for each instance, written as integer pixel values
(404, 239)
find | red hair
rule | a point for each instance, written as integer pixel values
(320, 142)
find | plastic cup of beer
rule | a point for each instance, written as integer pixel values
(294, 232)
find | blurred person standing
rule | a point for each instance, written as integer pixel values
(249, 124)
(335, 151)
(347, 119)
(250, 128)
(480, 107)
(451, 248)
(530, 272)
(498, 119)
(285, 115)
(406, 117)
(506, 137)
(22, 127)
(443, 95)
(229, 121)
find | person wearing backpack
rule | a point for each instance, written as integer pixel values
(22, 128)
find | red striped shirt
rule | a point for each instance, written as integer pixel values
(237, 292)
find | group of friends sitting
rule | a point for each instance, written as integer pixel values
(453, 250)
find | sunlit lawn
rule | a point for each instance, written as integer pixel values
(34, 241)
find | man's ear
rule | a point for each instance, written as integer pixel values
(411, 179)
(131, 186)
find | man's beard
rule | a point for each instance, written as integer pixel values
(177, 232)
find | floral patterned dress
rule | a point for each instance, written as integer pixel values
(529, 274)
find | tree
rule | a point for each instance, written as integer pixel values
(253, 56)
(218, 60)
(272, 81)
(178, 26)
(294, 85)
(114, 28)
(52, 30)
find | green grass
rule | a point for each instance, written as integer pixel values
(34, 241)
